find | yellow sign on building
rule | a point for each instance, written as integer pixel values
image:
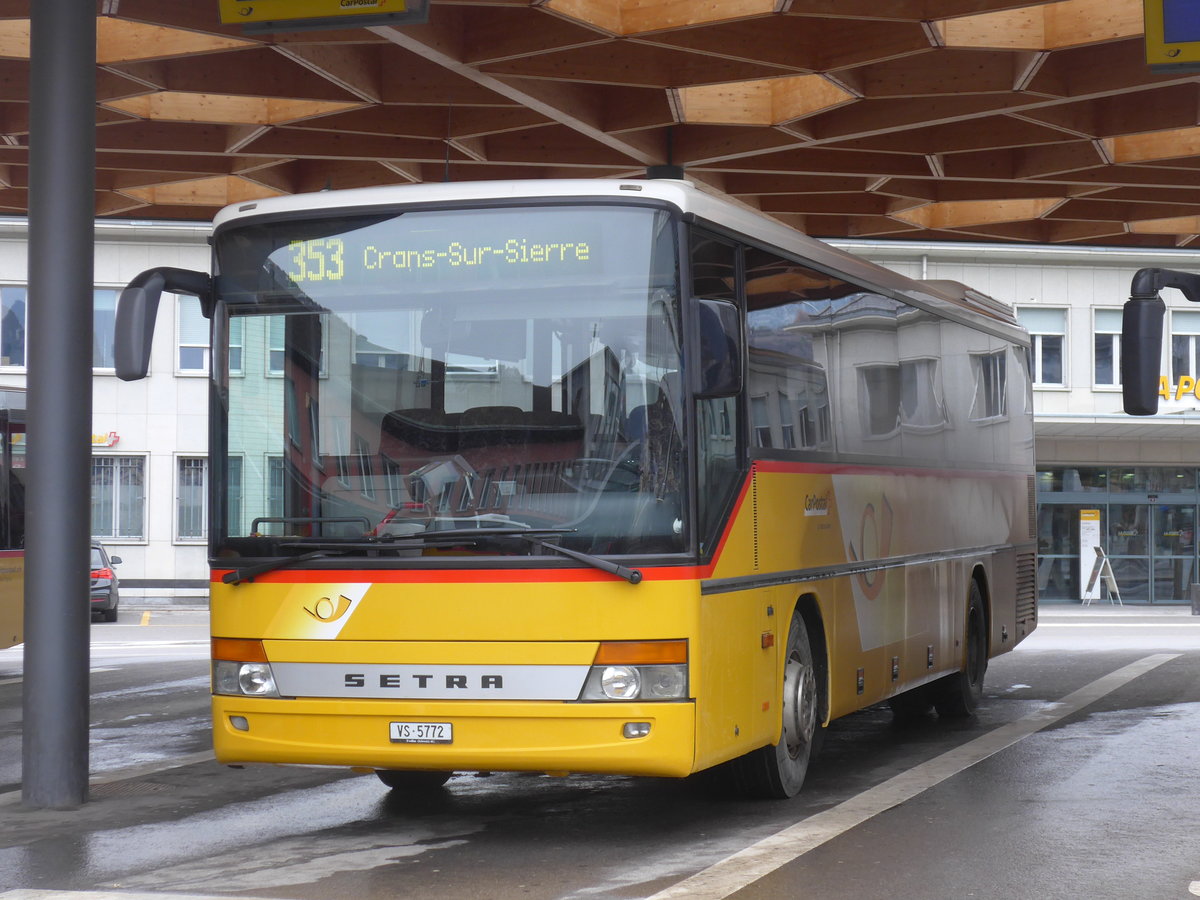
(285, 15)
(1172, 35)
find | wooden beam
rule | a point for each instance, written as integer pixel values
(819, 161)
(254, 73)
(493, 34)
(956, 214)
(1154, 145)
(355, 69)
(299, 144)
(121, 40)
(512, 91)
(170, 106)
(1051, 26)
(627, 17)
(636, 64)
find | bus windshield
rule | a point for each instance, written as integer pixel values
(389, 376)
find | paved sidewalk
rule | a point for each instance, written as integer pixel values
(1129, 610)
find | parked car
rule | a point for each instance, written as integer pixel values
(105, 584)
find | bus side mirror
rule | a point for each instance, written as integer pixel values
(1141, 334)
(137, 309)
(1141, 347)
(719, 368)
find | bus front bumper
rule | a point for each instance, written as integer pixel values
(485, 736)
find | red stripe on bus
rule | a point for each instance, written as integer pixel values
(464, 576)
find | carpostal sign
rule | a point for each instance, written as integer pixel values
(1187, 388)
(290, 15)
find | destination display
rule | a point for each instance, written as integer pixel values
(388, 258)
(444, 249)
(326, 259)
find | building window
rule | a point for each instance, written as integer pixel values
(1185, 344)
(879, 399)
(362, 450)
(1106, 367)
(192, 339)
(1047, 331)
(104, 317)
(921, 405)
(119, 497)
(393, 474)
(192, 478)
(12, 326)
(277, 349)
(761, 422)
(233, 494)
(276, 328)
(991, 380)
(275, 486)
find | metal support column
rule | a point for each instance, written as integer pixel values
(62, 158)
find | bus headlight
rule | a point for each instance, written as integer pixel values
(636, 683)
(638, 670)
(241, 669)
(620, 682)
(246, 679)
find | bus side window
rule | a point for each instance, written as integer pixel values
(787, 317)
(714, 277)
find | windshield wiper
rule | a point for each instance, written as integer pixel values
(322, 546)
(633, 576)
(247, 573)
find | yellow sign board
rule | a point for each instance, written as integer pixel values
(293, 15)
(1172, 35)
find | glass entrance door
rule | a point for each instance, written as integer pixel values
(1173, 552)
(1152, 548)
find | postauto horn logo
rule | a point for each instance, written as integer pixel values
(327, 609)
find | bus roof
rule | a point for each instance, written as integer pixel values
(688, 197)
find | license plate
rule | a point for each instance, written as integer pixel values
(422, 733)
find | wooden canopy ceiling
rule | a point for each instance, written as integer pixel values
(1011, 120)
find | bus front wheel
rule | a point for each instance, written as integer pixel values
(777, 771)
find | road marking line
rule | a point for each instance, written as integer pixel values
(145, 617)
(760, 859)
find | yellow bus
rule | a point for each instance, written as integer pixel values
(608, 476)
(12, 516)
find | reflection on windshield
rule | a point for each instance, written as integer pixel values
(522, 396)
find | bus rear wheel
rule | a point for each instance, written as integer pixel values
(777, 771)
(957, 696)
(413, 782)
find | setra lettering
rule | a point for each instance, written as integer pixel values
(421, 682)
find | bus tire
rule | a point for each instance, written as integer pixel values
(957, 696)
(777, 771)
(412, 781)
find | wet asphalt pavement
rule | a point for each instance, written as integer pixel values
(1077, 779)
